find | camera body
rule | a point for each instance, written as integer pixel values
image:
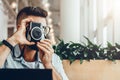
(34, 32)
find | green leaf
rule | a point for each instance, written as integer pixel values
(114, 61)
(61, 43)
(110, 57)
(60, 57)
(117, 45)
(72, 59)
(74, 45)
(1, 43)
(81, 61)
(58, 38)
(85, 54)
(54, 47)
(109, 44)
(89, 42)
(72, 42)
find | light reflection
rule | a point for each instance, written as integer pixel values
(14, 5)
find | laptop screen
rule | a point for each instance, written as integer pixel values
(25, 74)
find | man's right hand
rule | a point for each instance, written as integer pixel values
(19, 36)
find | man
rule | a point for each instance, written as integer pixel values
(47, 58)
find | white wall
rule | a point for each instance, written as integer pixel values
(70, 20)
(99, 20)
(3, 22)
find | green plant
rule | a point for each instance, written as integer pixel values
(0, 43)
(73, 51)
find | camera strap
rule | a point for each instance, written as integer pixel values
(22, 52)
(37, 60)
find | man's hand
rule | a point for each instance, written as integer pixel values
(19, 36)
(46, 51)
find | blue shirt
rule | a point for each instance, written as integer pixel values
(20, 63)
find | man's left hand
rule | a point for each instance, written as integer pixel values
(46, 51)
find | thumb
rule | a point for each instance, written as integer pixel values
(30, 43)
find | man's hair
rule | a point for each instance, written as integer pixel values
(31, 11)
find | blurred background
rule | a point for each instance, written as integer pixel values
(70, 20)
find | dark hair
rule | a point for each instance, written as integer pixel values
(33, 11)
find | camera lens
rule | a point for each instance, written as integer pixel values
(36, 33)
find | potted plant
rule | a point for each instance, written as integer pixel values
(99, 62)
(72, 51)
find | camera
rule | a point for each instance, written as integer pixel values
(34, 32)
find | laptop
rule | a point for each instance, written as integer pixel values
(25, 74)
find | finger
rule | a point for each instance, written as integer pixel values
(24, 21)
(50, 50)
(47, 47)
(43, 49)
(45, 57)
(41, 54)
(45, 42)
(30, 43)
